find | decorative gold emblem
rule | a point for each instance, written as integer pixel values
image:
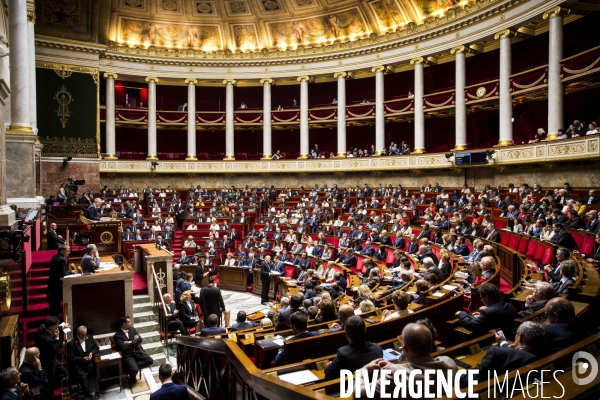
(5, 291)
(481, 92)
(106, 238)
(63, 71)
(64, 98)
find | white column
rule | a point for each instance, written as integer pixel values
(31, 47)
(379, 107)
(304, 115)
(341, 111)
(460, 113)
(556, 90)
(111, 152)
(152, 81)
(229, 137)
(267, 146)
(418, 106)
(505, 113)
(20, 112)
(191, 119)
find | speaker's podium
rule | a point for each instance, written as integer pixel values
(147, 255)
(98, 300)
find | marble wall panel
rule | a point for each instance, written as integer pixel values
(20, 166)
(54, 174)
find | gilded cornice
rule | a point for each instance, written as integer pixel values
(61, 68)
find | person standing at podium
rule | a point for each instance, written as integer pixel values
(92, 210)
(91, 260)
(265, 277)
(129, 343)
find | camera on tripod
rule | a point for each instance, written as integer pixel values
(71, 189)
(10, 244)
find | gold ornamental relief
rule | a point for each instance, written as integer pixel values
(64, 98)
(106, 238)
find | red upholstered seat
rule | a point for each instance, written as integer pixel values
(587, 245)
(514, 242)
(359, 264)
(390, 258)
(531, 249)
(539, 252)
(505, 240)
(290, 271)
(548, 255)
(523, 243)
(500, 223)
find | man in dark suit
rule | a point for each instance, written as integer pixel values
(48, 340)
(554, 273)
(160, 241)
(33, 375)
(349, 260)
(567, 271)
(498, 314)
(561, 328)
(91, 260)
(542, 292)
(369, 250)
(283, 321)
(241, 322)
(562, 237)
(179, 213)
(299, 324)
(172, 317)
(52, 238)
(492, 234)
(425, 252)
(213, 327)
(11, 388)
(265, 278)
(357, 353)
(460, 247)
(92, 210)
(528, 346)
(169, 390)
(211, 300)
(433, 268)
(182, 107)
(129, 343)
(593, 224)
(58, 269)
(127, 235)
(81, 351)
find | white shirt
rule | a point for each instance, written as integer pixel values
(82, 343)
(126, 332)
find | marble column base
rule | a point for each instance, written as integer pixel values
(377, 153)
(16, 129)
(552, 136)
(7, 218)
(152, 157)
(191, 158)
(302, 156)
(503, 143)
(110, 157)
(266, 157)
(459, 147)
(229, 158)
(419, 150)
(340, 155)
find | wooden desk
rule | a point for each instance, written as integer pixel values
(100, 364)
(163, 265)
(100, 299)
(233, 278)
(257, 286)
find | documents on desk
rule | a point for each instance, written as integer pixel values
(107, 265)
(299, 377)
(449, 287)
(110, 356)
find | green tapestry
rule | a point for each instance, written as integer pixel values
(66, 112)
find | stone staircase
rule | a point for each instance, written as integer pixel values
(144, 321)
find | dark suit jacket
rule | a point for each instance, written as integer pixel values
(47, 345)
(352, 357)
(128, 349)
(170, 391)
(563, 288)
(53, 240)
(350, 261)
(34, 378)
(564, 239)
(399, 244)
(501, 359)
(413, 247)
(185, 314)
(499, 315)
(9, 395)
(76, 354)
(265, 272)
(494, 237)
(92, 213)
(211, 301)
(212, 331)
(431, 254)
(446, 269)
(438, 273)
(592, 225)
(58, 269)
(562, 335)
(533, 307)
(283, 322)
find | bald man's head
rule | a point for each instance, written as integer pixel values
(560, 310)
(31, 353)
(345, 312)
(416, 341)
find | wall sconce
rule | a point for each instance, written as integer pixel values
(66, 160)
(153, 165)
(489, 154)
(449, 156)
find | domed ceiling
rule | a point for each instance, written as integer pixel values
(235, 25)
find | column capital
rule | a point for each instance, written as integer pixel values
(305, 78)
(31, 16)
(229, 82)
(459, 49)
(151, 79)
(343, 74)
(507, 33)
(417, 60)
(192, 81)
(382, 68)
(268, 81)
(110, 75)
(555, 12)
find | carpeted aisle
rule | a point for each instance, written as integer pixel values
(140, 283)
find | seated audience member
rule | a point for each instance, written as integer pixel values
(33, 375)
(365, 307)
(431, 267)
(283, 322)
(91, 260)
(188, 313)
(434, 348)
(561, 328)
(169, 390)
(527, 348)
(11, 387)
(488, 264)
(417, 343)
(242, 323)
(356, 353)
(48, 341)
(327, 312)
(496, 314)
(562, 237)
(81, 352)
(212, 329)
(568, 270)
(542, 292)
(299, 324)
(129, 343)
(554, 274)
(345, 312)
(401, 300)
(173, 322)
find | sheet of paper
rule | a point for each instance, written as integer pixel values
(66, 330)
(105, 347)
(448, 287)
(107, 264)
(438, 294)
(71, 276)
(104, 358)
(114, 355)
(299, 377)
(278, 342)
